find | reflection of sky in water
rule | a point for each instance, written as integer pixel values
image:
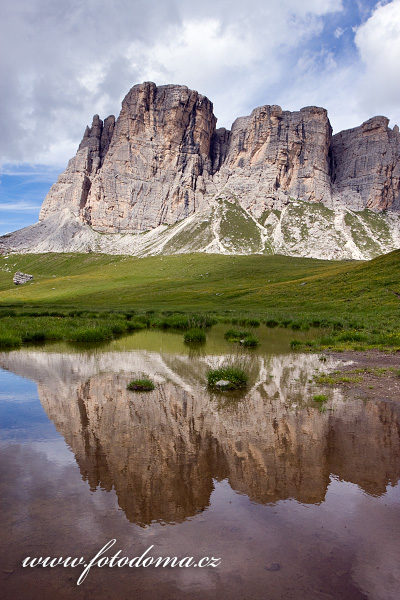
(22, 416)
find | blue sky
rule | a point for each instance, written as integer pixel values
(65, 61)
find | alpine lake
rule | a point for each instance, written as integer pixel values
(297, 499)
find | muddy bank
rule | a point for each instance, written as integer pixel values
(371, 375)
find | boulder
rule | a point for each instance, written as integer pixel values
(21, 278)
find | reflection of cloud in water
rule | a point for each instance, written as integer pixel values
(162, 450)
(378, 546)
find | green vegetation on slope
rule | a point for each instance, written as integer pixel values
(294, 292)
(180, 282)
(237, 230)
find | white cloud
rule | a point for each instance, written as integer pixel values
(353, 87)
(18, 206)
(65, 61)
(378, 43)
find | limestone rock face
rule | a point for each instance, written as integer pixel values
(366, 166)
(163, 160)
(148, 169)
(73, 186)
(274, 154)
(157, 161)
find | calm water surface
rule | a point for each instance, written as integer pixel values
(298, 501)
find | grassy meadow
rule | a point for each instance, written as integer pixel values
(94, 297)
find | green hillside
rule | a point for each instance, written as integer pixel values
(204, 282)
(268, 287)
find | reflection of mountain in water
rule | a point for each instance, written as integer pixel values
(162, 450)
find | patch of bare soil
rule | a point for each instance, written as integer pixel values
(372, 374)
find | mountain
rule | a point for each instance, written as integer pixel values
(162, 179)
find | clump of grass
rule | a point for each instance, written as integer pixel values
(352, 336)
(10, 341)
(246, 338)
(135, 325)
(250, 341)
(235, 335)
(194, 335)
(119, 328)
(91, 334)
(295, 344)
(320, 398)
(335, 378)
(141, 385)
(347, 379)
(251, 322)
(176, 321)
(235, 376)
(271, 323)
(35, 337)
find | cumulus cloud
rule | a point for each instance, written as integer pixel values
(65, 61)
(378, 43)
(358, 83)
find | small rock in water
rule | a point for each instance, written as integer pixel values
(222, 383)
(20, 278)
(273, 567)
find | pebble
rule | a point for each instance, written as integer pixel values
(273, 567)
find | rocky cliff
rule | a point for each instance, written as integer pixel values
(163, 162)
(150, 168)
(366, 166)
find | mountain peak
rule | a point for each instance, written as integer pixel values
(163, 160)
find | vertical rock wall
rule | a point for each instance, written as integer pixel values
(163, 160)
(366, 166)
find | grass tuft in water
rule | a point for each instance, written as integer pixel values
(235, 376)
(141, 385)
(271, 323)
(246, 338)
(10, 341)
(235, 335)
(295, 344)
(250, 341)
(194, 335)
(320, 398)
(36, 337)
